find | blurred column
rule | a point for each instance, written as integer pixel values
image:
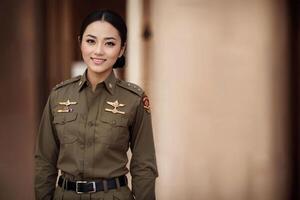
(134, 70)
(20, 55)
(294, 41)
(219, 99)
(60, 41)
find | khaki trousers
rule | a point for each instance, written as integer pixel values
(122, 193)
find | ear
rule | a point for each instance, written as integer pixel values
(122, 51)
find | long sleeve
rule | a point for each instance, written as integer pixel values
(143, 167)
(46, 153)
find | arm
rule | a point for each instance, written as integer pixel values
(143, 167)
(46, 153)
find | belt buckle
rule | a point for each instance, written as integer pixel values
(93, 183)
(77, 182)
(94, 187)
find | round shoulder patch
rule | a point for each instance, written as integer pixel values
(146, 103)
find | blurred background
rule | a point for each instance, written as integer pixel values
(222, 77)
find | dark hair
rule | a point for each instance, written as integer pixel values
(112, 18)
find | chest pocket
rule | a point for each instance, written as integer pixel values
(66, 127)
(113, 130)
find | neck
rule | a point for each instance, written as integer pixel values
(95, 78)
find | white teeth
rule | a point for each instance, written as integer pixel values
(98, 60)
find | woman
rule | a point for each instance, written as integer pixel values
(90, 121)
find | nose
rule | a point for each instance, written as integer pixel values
(99, 49)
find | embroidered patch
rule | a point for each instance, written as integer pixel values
(146, 103)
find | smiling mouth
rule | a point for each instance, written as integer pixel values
(98, 61)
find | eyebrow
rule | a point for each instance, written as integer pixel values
(110, 38)
(92, 36)
(107, 38)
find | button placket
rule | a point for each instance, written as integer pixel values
(91, 123)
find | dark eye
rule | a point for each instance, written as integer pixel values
(110, 44)
(90, 41)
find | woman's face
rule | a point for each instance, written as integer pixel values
(101, 46)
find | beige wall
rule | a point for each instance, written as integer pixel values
(218, 89)
(218, 92)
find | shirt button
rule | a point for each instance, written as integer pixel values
(114, 122)
(90, 124)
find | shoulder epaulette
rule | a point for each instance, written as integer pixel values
(67, 82)
(132, 87)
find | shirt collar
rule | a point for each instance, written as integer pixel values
(109, 82)
(83, 81)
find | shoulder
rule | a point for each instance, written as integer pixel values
(131, 87)
(67, 82)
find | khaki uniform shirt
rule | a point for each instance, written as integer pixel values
(87, 134)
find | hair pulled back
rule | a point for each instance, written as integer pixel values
(115, 20)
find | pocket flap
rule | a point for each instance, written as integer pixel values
(70, 117)
(61, 119)
(115, 121)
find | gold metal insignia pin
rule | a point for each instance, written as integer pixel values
(116, 105)
(67, 103)
(66, 109)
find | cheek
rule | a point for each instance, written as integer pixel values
(85, 50)
(113, 53)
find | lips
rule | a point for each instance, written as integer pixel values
(98, 61)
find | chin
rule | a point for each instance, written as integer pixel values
(99, 70)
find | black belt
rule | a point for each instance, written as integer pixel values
(92, 186)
